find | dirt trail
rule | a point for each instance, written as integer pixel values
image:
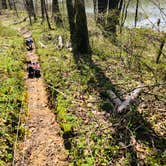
(43, 145)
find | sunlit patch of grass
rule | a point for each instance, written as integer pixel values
(12, 91)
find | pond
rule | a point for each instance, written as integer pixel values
(149, 13)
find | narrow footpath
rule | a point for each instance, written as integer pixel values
(43, 144)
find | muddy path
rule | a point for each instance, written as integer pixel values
(43, 144)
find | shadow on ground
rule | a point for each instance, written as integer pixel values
(131, 127)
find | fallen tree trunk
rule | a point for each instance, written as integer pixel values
(130, 98)
(121, 106)
(114, 98)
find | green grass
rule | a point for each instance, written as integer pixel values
(78, 94)
(12, 91)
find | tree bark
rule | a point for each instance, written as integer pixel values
(15, 8)
(71, 15)
(10, 4)
(4, 4)
(136, 13)
(78, 27)
(82, 37)
(42, 10)
(27, 6)
(56, 13)
(94, 4)
(32, 9)
(46, 13)
(161, 49)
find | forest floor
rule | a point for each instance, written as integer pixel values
(43, 144)
(77, 92)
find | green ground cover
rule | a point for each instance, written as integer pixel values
(93, 134)
(12, 91)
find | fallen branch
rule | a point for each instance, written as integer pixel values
(42, 45)
(114, 98)
(130, 98)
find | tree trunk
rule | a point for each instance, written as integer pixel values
(32, 10)
(10, 4)
(161, 49)
(42, 10)
(136, 13)
(82, 38)
(94, 4)
(47, 17)
(4, 4)
(56, 13)
(71, 14)
(27, 6)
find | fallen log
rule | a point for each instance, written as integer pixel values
(114, 98)
(121, 106)
(129, 99)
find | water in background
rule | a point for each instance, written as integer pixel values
(148, 15)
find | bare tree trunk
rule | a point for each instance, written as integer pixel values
(10, 4)
(27, 6)
(4, 4)
(47, 17)
(56, 13)
(32, 10)
(161, 49)
(36, 7)
(71, 15)
(124, 14)
(42, 10)
(82, 38)
(136, 13)
(15, 8)
(95, 10)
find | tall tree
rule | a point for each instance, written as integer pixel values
(10, 4)
(28, 8)
(14, 6)
(56, 13)
(42, 10)
(136, 12)
(4, 4)
(45, 13)
(71, 15)
(160, 51)
(95, 4)
(78, 26)
(82, 37)
(32, 9)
